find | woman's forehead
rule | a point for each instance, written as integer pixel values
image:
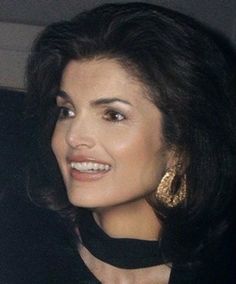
(102, 77)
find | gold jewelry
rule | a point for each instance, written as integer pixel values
(165, 191)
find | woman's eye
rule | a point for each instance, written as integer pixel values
(65, 112)
(114, 116)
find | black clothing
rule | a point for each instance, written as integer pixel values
(120, 252)
(33, 245)
(123, 253)
(36, 248)
(110, 250)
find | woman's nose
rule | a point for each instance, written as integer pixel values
(80, 134)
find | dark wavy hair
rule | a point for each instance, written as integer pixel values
(190, 80)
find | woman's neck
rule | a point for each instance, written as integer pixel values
(136, 220)
(115, 260)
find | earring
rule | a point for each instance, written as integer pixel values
(164, 190)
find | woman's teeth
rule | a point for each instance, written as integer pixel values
(89, 166)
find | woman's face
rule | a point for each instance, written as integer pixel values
(108, 139)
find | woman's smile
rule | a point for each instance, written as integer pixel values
(87, 169)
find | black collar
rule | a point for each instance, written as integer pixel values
(120, 252)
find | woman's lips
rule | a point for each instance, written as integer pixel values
(88, 169)
(87, 176)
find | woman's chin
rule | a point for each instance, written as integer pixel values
(85, 201)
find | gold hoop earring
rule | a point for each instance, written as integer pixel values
(164, 190)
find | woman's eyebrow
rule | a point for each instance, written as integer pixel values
(103, 101)
(64, 95)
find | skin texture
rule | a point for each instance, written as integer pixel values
(126, 135)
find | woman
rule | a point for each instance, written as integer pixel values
(133, 126)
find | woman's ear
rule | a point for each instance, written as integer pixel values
(178, 160)
(171, 159)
